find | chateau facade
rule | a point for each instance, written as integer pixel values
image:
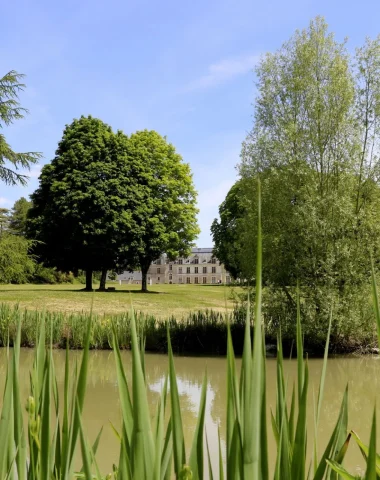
(200, 267)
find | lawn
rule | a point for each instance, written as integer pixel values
(162, 301)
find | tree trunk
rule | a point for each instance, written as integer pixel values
(144, 271)
(103, 278)
(88, 280)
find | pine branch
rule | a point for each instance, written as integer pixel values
(10, 87)
(10, 110)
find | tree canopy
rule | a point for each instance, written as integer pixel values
(165, 210)
(226, 232)
(16, 265)
(314, 146)
(10, 110)
(107, 201)
(4, 220)
(18, 216)
(81, 209)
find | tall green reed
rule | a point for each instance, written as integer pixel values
(154, 448)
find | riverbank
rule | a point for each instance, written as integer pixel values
(196, 333)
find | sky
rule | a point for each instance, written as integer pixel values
(184, 69)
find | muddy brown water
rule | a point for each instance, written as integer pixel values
(102, 405)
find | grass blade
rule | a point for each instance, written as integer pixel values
(371, 473)
(142, 445)
(196, 453)
(176, 419)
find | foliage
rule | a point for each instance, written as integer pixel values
(152, 450)
(18, 216)
(10, 110)
(16, 266)
(165, 214)
(81, 210)
(49, 275)
(199, 332)
(314, 146)
(107, 202)
(4, 220)
(226, 232)
(112, 276)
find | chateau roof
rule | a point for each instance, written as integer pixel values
(201, 250)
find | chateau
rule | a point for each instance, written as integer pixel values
(200, 267)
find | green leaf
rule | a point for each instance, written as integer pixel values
(340, 470)
(371, 473)
(176, 419)
(142, 445)
(196, 454)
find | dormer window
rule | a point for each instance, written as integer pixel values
(196, 260)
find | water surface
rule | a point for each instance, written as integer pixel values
(102, 406)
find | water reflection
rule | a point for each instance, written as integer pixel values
(102, 406)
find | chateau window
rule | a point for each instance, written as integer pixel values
(170, 277)
(180, 261)
(196, 261)
(180, 280)
(213, 280)
(179, 269)
(195, 269)
(204, 279)
(204, 269)
(213, 270)
(187, 269)
(158, 279)
(188, 280)
(213, 260)
(158, 270)
(170, 267)
(196, 280)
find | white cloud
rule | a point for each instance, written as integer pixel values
(224, 71)
(5, 202)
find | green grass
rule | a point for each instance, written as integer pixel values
(162, 301)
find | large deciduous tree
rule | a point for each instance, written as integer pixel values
(81, 211)
(315, 147)
(165, 211)
(226, 231)
(10, 110)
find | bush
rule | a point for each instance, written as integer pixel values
(351, 311)
(51, 276)
(16, 266)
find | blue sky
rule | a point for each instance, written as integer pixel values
(184, 69)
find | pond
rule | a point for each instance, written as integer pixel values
(102, 406)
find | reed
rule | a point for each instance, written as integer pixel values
(155, 449)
